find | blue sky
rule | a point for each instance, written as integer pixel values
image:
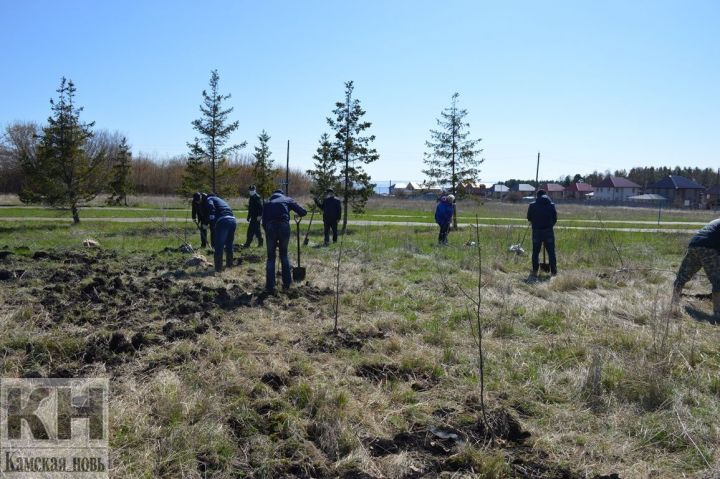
(590, 84)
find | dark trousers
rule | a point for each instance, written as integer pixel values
(327, 226)
(546, 237)
(204, 234)
(444, 231)
(224, 236)
(254, 231)
(277, 236)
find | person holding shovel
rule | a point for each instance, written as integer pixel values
(254, 216)
(222, 224)
(703, 252)
(200, 219)
(542, 216)
(276, 221)
(332, 213)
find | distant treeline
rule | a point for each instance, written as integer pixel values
(149, 175)
(642, 175)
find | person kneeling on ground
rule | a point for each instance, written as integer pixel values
(703, 252)
(443, 217)
(276, 221)
(254, 216)
(332, 213)
(542, 216)
(223, 226)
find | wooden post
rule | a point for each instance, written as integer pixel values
(287, 170)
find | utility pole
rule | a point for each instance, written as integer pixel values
(287, 170)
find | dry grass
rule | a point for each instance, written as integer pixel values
(591, 363)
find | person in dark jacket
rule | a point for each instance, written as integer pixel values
(703, 252)
(223, 224)
(254, 216)
(276, 221)
(332, 213)
(199, 217)
(443, 217)
(542, 216)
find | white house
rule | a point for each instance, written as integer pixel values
(616, 188)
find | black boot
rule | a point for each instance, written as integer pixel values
(218, 265)
(229, 260)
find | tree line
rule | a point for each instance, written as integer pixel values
(642, 175)
(67, 162)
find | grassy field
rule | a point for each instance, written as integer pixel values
(587, 374)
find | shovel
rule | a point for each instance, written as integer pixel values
(544, 267)
(307, 233)
(298, 272)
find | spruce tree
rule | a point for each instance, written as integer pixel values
(210, 147)
(263, 170)
(452, 156)
(324, 175)
(354, 150)
(195, 177)
(63, 172)
(120, 184)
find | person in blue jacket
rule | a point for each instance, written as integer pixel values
(276, 221)
(223, 224)
(443, 217)
(542, 216)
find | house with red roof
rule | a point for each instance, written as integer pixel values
(579, 191)
(553, 190)
(616, 188)
(680, 191)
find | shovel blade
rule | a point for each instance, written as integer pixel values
(298, 273)
(545, 267)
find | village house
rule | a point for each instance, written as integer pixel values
(712, 197)
(616, 188)
(473, 188)
(498, 191)
(523, 188)
(553, 190)
(579, 191)
(681, 192)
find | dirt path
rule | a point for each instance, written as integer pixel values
(155, 219)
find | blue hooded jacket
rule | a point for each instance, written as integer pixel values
(443, 212)
(216, 208)
(541, 213)
(277, 209)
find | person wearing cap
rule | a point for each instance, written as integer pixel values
(199, 217)
(276, 221)
(254, 216)
(443, 217)
(542, 216)
(222, 224)
(703, 252)
(332, 214)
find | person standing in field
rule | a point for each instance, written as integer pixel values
(222, 224)
(254, 216)
(443, 217)
(703, 252)
(276, 221)
(542, 216)
(200, 219)
(332, 214)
